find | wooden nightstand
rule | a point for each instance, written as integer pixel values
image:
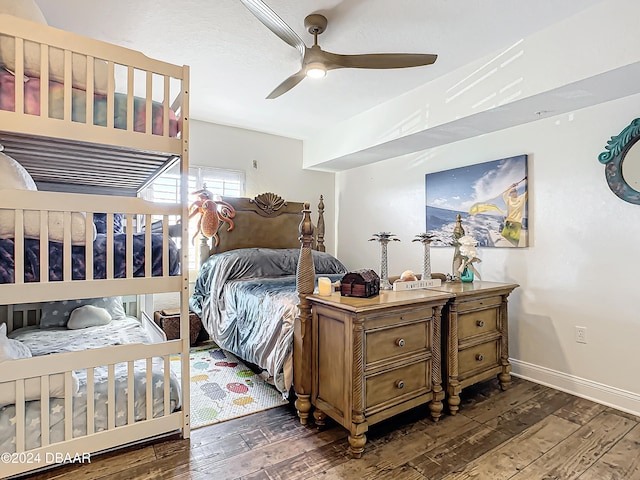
(373, 358)
(475, 336)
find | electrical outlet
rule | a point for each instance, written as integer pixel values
(581, 334)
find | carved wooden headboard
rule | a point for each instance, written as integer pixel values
(266, 221)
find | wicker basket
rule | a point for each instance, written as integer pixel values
(169, 321)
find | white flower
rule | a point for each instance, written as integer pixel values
(468, 248)
(467, 240)
(469, 253)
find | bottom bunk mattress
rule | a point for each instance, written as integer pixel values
(247, 301)
(45, 341)
(78, 258)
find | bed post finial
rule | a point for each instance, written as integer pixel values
(320, 247)
(305, 275)
(305, 283)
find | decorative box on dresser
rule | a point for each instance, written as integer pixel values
(373, 358)
(475, 336)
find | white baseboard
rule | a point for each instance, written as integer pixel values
(597, 392)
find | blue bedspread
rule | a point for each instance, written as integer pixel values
(32, 255)
(247, 301)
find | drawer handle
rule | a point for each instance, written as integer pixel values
(400, 384)
(400, 342)
(480, 323)
(479, 357)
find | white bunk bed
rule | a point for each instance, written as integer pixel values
(89, 169)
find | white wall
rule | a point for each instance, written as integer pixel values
(596, 41)
(581, 267)
(279, 166)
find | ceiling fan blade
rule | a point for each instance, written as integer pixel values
(287, 85)
(274, 23)
(378, 60)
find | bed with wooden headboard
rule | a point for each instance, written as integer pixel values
(268, 242)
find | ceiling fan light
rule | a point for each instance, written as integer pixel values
(316, 70)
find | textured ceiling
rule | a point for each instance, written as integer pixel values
(236, 62)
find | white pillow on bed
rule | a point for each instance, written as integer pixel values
(58, 314)
(29, 10)
(88, 316)
(13, 350)
(14, 176)
(32, 389)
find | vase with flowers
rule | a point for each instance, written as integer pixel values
(469, 256)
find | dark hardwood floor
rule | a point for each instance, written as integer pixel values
(527, 432)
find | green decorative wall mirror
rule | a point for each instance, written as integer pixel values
(622, 163)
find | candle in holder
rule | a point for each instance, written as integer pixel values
(324, 286)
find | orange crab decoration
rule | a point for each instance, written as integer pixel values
(212, 214)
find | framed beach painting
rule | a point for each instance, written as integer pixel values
(490, 197)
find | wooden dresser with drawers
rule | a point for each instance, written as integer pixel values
(373, 358)
(475, 336)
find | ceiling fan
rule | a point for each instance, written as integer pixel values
(315, 61)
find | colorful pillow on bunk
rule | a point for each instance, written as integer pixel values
(100, 221)
(29, 10)
(57, 314)
(11, 349)
(88, 316)
(14, 176)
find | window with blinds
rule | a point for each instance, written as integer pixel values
(223, 182)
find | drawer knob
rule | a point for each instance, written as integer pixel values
(480, 323)
(400, 384)
(400, 342)
(479, 357)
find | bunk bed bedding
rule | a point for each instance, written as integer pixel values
(78, 262)
(79, 98)
(59, 340)
(247, 301)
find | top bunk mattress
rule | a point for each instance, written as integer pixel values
(56, 105)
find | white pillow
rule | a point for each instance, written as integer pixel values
(29, 10)
(32, 389)
(13, 176)
(57, 314)
(11, 349)
(88, 316)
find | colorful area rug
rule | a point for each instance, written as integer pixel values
(222, 387)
